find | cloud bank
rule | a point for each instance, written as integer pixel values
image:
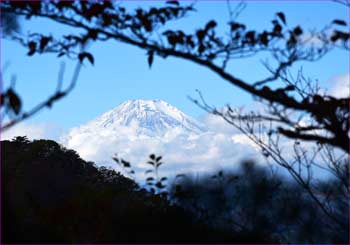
(220, 146)
(33, 131)
(340, 86)
(181, 152)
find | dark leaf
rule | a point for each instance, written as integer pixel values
(250, 36)
(158, 158)
(139, 13)
(168, 32)
(210, 25)
(150, 58)
(277, 29)
(35, 6)
(174, 2)
(107, 20)
(92, 34)
(152, 156)
(264, 38)
(201, 49)
(265, 153)
(211, 56)
(290, 88)
(339, 22)
(32, 48)
(149, 179)
(200, 35)
(43, 42)
(298, 31)
(158, 164)
(162, 19)
(334, 37)
(61, 54)
(126, 164)
(340, 35)
(128, 17)
(147, 24)
(190, 42)
(160, 185)
(94, 10)
(150, 162)
(235, 26)
(163, 178)
(87, 55)
(172, 40)
(14, 101)
(282, 17)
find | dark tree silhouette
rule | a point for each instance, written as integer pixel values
(256, 201)
(50, 195)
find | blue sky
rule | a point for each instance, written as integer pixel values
(121, 72)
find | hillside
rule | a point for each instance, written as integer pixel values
(51, 195)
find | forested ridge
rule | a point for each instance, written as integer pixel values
(51, 195)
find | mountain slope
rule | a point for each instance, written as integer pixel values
(146, 117)
(137, 128)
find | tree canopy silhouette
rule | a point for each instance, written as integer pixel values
(50, 195)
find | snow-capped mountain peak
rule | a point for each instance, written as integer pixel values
(145, 117)
(137, 128)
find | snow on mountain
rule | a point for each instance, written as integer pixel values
(152, 118)
(137, 128)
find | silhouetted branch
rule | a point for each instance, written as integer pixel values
(59, 94)
(272, 148)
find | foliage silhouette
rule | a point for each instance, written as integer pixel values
(51, 195)
(257, 202)
(153, 182)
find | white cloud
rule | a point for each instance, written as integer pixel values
(32, 131)
(217, 124)
(340, 86)
(182, 152)
(222, 146)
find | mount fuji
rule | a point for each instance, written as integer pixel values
(152, 118)
(137, 128)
